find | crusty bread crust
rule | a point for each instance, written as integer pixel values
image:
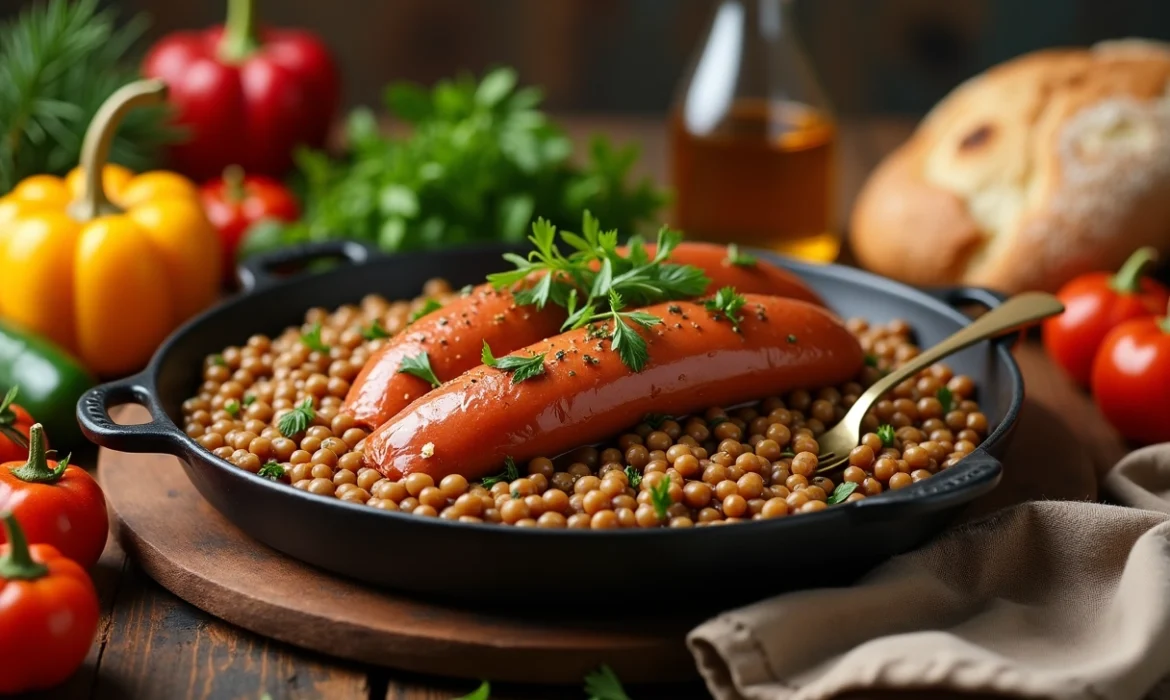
(1049, 165)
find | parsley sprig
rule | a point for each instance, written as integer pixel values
(312, 339)
(727, 303)
(297, 420)
(735, 257)
(603, 684)
(947, 398)
(885, 431)
(522, 368)
(271, 470)
(428, 306)
(375, 331)
(510, 474)
(843, 490)
(420, 366)
(625, 339)
(660, 498)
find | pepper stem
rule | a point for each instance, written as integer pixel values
(1128, 279)
(18, 563)
(233, 181)
(95, 149)
(36, 470)
(240, 39)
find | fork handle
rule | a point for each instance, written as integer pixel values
(1017, 312)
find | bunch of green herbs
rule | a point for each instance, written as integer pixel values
(479, 160)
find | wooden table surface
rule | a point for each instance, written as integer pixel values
(152, 645)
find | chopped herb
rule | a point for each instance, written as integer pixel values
(374, 331)
(946, 398)
(885, 431)
(634, 477)
(791, 338)
(232, 407)
(727, 303)
(428, 306)
(218, 360)
(660, 497)
(871, 360)
(510, 473)
(249, 399)
(734, 257)
(312, 339)
(521, 367)
(419, 366)
(516, 494)
(271, 470)
(483, 692)
(841, 492)
(297, 420)
(603, 684)
(654, 420)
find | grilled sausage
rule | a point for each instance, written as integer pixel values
(696, 359)
(454, 335)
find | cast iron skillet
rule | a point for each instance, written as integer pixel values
(458, 561)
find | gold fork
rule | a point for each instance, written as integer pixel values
(1017, 312)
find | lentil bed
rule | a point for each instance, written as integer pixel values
(724, 466)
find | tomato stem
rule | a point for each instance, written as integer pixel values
(18, 563)
(1128, 279)
(36, 470)
(239, 33)
(233, 183)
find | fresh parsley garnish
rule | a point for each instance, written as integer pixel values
(232, 407)
(297, 420)
(655, 420)
(946, 398)
(885, 431)
(841, 492)
(483, 692)
(249, 399)
(312, 339)
(419, 366)
(374, 331)
(735, 257)
(727, 303)
(521, 367)
(510, 473)
(871, 360)
(660, 498)
(218, 360)
(634, 477)
(428, 306)
(271, 470)
(603, 684)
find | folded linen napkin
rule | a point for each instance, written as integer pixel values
(1052, 599)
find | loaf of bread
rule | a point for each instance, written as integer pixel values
(1044, 167)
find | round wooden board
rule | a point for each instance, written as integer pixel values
(190, 549)
(193, 551)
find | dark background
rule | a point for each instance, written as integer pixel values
(873, 56)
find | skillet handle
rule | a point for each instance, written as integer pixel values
(977, 474)
(93, 415)
(260, 271)
(959, 296)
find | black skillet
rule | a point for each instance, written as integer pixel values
(458, 561)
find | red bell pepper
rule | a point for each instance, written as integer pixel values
(236, 201)
(15, 422)
(48, 613)
(59, 504)
(245, 95)
(1131, 379)
(1094, 304)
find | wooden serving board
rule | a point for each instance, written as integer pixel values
(189, 548)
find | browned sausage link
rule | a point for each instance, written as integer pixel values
(453, 336)
(470, 425)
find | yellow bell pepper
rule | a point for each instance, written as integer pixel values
(107, 266)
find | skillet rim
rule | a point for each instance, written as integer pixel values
(974, 475)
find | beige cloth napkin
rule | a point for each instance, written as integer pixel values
(1051, 599)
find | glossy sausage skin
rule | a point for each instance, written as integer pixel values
(469, 425)
(454, 335)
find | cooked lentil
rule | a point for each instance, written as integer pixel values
(724, 466)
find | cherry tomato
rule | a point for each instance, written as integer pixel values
(1131, 379)
(236, 201)
(1094, 304)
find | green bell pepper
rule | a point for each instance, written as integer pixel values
(50, 380)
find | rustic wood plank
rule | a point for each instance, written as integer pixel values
(159, 647)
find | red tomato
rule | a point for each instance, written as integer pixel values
(1094, 304)
(15, 423)
(236, 201)
(1131, 379)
